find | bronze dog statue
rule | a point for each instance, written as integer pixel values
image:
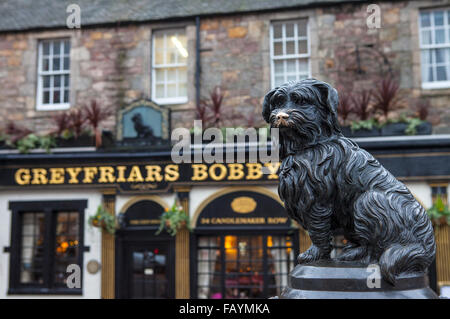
(327, 182)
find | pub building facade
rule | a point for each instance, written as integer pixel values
(155, 68)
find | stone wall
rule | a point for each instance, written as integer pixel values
(113, 64)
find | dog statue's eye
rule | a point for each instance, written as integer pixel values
(297, 99)
(277, 100)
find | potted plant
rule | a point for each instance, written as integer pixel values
(103, 219)
(366, 126)
(95, 115)
(439, 213)
(345, 108)
(425, 127)
(173, 219)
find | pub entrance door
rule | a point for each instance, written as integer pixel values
(148, 271)
(145, 262)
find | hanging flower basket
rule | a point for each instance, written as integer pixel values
(439, 213)
(173, 219)
(103, 220)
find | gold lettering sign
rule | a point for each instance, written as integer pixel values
(243, 205)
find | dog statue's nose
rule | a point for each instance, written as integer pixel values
(282, 115)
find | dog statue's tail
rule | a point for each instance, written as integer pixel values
(415, 255)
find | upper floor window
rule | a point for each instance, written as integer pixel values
(169, 71)
(53, 74)
(435, 48)
(46, 238)
(289, 48)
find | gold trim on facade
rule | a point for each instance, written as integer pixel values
(227, 190)
(108, 253)
(442, 235)
(136, 199)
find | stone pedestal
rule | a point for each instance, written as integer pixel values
(339, 280)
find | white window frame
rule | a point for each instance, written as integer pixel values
(426, 47)
(39, 96)
(171, 100)
(296, 38)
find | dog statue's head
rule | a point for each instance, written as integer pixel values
(305, 112)
(137, 118)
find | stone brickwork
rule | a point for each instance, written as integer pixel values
(113, 64)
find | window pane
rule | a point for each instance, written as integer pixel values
(159, 74)
(66, 47)
(439, 36)
(159, 90)
(303, 66)
(46, 81)
(441, 73)
(56, 64)
(45, 65)
(172, 90)
(66, 244)
(182, 74)
(425, 19)
(290, 30)
(46, 48)
(57, 81)
(46, 97)
(302, 28)
(278, 48)
(277, 29)
(66, 81)
(302, 46)
(426, 37)
(290, 47)
(56, 48)
(438, 18)
(66, 63)
(171, 75)
(279, 67)
(32, 248)
(56, 96)
(159, 56)
(440, 55)
(279, 80)
(66, 96)
(182, 89)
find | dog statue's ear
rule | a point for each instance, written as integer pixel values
(266, 104)
(330, 95)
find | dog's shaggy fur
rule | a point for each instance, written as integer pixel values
(327, 183)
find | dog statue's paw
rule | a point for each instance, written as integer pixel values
(312, 254)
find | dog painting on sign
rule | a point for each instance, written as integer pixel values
(327, 183)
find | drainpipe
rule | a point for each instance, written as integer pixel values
(197, 61)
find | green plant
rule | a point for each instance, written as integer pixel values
(173, 219)
(439, 213)
(413, 123)
(364, 125)
(32, 141)
(103, 219)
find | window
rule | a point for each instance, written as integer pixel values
(243, 266)
(46, 238)
(289, 49)
(53, 75)
(169, 71)
(435, 48)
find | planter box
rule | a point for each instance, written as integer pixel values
(347, 131)
(394, 129)
(81, 141)
(424, 129)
